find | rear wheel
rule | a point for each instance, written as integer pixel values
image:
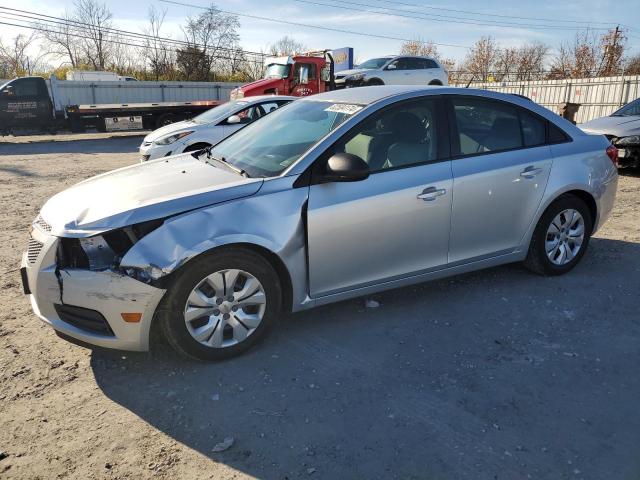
(221, 305)
(165, 119)
(435, 82)
(375, 81)
(561, 237)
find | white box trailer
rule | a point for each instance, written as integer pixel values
(92, 76)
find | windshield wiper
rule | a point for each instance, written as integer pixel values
(225, 162)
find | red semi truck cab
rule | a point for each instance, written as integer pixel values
(297, 75)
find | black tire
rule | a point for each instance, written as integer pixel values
(537, 260)
(166, 119)
(170, 312)
(435, 82)
(375, 81)
(195, 147)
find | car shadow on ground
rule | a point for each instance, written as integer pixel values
(124, 144)
(496, 373)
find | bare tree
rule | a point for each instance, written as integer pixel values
(286, 46)
(419, 48)
(632, 65)
(480, 61)
(590, 56)
(506, 63)
(63, 41)
(253, 66)
(213, 33)
(16, 58)
(94, 21)
(156, 52)
(531, 60)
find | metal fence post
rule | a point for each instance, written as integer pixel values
(217, 92)
(162, 87)
(93, 93)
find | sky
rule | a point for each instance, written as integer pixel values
(459, 28)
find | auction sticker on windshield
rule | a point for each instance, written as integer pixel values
(347, 108)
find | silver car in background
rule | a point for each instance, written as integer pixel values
(331, 197)
(622, 128)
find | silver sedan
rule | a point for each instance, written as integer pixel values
(331, 197)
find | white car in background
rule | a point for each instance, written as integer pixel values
(209, 127)
(394, 70)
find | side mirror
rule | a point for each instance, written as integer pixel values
(345, 167)
(392, 66)
(7, 91)
(234, 119)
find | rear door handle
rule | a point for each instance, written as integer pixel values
(429, 194)
(530, 172)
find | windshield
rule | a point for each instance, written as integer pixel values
(275, 70)
(374, 63)
(267, 147)
(221, 111)
(630, 109)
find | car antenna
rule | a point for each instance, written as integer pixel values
(472, 77)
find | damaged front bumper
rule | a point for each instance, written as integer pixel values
(88, 305)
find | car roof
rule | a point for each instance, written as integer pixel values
(373, 94)
(260, 98)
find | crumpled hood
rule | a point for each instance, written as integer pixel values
(172, 128)
(346, 73)
(142, 192)
(622, 126)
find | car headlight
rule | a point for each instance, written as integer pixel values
(355, 77)
(169, 139)
(631, 140)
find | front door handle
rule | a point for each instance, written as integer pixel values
(429, 194)
(530, 172)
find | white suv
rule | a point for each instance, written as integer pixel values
(394, 70)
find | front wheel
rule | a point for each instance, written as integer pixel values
(561, 237)
(221, 304)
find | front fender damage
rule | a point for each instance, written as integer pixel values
(271, 220)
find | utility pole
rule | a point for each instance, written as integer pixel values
(612, 51)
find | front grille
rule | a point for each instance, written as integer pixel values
(33, 250)
(84, 319)
(44, 226)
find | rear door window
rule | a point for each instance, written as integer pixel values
(533, 129)
(486, 126)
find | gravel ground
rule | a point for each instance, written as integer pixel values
(499, 374)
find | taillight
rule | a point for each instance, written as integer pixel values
(612, 153)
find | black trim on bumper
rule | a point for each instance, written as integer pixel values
(84, 319)
(25, 281)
